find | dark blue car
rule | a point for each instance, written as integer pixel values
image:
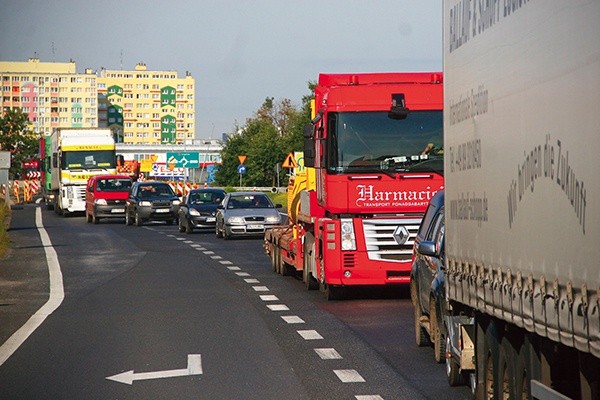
(199, 208)
(427, 279)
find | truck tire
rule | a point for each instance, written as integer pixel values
(491, 366)
(439, 344)
(308, 263)
(421, 336)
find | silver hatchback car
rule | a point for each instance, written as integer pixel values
(246, 214)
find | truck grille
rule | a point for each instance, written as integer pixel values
(380, 240)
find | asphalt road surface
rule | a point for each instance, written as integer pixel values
(151, 313)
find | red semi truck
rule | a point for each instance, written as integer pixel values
(373, 159)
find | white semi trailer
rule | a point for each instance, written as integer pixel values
(522, 171)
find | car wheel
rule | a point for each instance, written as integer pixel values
(181, 227)
(138, 219)
(439, 348)
(95, 219)
(188, 227)
(218, 232)
(421, 336)
(128, 220)
(226, 235)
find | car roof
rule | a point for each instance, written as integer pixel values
(204, 190)
(247, 193)
(109, 176)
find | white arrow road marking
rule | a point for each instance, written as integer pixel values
(194, 367)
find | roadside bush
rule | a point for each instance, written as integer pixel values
(4, 222)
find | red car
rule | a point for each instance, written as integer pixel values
(105, 197)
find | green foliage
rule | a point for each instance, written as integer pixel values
(16, 138)
(4, 221)
(265, 140)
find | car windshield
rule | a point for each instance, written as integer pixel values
(156, 190)
(249, 201)
(205, 198)
(113, 185)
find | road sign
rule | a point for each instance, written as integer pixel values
(241, 169)
(189, 159)
(242, 159)
(290, 161)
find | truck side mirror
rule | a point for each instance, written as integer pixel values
(309, 146)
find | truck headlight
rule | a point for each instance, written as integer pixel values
(348, 237)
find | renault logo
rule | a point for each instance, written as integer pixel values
(401, 235)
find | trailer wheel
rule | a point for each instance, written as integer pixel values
(491, 370)
(455, 378)
(273, 257)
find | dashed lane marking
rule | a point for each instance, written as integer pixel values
(278, 307)
(242, 274)
(292, 319)
(368, 397)
(269, 297)
(348, 375)
(216, 257)
(310, 334)
(260, 288)
(234, 268)
(225, 262)
(328, 354)
(251, 280)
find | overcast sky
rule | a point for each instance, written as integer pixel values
(238, 51)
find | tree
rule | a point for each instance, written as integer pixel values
(17, 138)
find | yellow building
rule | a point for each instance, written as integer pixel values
(52, 94)
(147, 107)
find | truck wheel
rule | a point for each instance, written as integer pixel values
(308, 263)
(439, 345)
(421, 336)
(455, 378)
(334, 292)
(138, 219)
(273, 257)
(491, 376)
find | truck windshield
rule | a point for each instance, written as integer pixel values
(372, 142)
(88, 159)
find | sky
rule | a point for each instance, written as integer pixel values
(239, 51)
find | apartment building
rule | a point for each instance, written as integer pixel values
(147, 107)
(53, 94)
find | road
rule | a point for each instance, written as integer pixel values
(151, 313)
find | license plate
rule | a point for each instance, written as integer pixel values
(254, 226)
(117, 210)
(211, 219)
(162, 210)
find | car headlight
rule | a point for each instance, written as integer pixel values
(194, 212)
(273, 219)
(145, 203)
(348, 237)
(100, 202)
(235, 221)
(176, 202)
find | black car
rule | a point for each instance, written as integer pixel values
(427, 279)
(198, 209)
(151, 201)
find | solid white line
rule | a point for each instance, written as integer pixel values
(57, 294)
